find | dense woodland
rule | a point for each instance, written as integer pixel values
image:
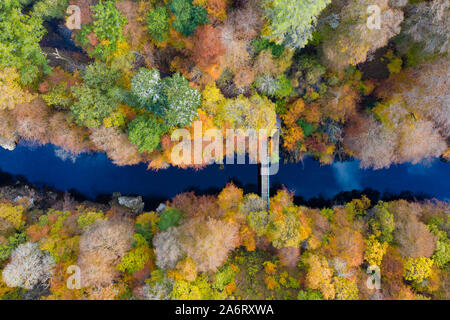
(227, 246)
(146, 67)
(139, 69)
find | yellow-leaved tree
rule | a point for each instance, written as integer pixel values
(11, 93)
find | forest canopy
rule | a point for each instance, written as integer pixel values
(339, 85)
(224, 246)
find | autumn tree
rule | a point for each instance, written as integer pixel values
(418, 269)
(207, 46)
(347, 244)
(256, 112)
(413, 119)
(371, 142)
(288, 228)
(29, 267)
(252, 203)
(95, 98)
(417, 93)
(32, 120)
(345, 289)
(50, 9)
(145, 132)
(339, 103)
(351, 40)
(374, 251)
(319, 275)
(107, 30)
(382, 222)
(292, 22)
(187, 16)
(67, 136)
(392, 273)
(116, 145)
(158, 24)
(419, 141)
(251, 12)
(102, 246)
(172, 99)
(413, 238)
(11, 93)
(209, 241)
(426, 24)
(20, 34)
(197, 206)
(168, 248)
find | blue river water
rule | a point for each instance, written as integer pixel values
(92, 175)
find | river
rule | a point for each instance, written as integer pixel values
(92, 175)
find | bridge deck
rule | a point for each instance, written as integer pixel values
(265, 182)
